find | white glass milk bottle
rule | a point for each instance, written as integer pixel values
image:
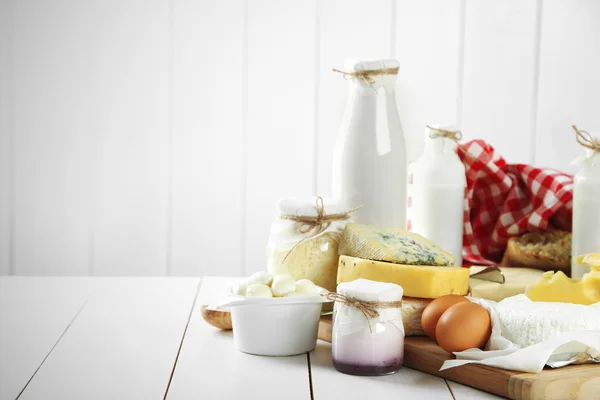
(438, 190)
(586, 202)
(369, 162)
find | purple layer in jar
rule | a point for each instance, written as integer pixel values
(387, 368)
(369, 353)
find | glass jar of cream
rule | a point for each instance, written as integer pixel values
(368, 333)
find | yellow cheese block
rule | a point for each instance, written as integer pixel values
(516, 282)
(591, 260)
(423, 281)
(557, 287)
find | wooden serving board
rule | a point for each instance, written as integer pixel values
(572, 382)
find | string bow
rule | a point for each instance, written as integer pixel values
(366, 76)
(438, 132)
(321, 222)
(367, 308)
(586, 140)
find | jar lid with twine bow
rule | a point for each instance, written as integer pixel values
(365, 302)
(592, 145)
(303, 219)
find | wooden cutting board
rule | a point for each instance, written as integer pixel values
(572, 382)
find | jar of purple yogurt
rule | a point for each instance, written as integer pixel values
(368, 333)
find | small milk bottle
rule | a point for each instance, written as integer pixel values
(586, 202)
(437, 191)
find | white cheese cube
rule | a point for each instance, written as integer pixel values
(306, 287)
(282, 285)
(262, 277)
(239, 289)
(258, 290)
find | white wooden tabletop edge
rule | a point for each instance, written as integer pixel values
(310, 382)
(183, 337)
(57, 341)
(449, 388)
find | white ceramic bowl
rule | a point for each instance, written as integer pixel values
(275, 326)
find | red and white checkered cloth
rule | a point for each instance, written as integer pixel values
(505, 200)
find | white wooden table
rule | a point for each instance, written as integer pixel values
(144, 338)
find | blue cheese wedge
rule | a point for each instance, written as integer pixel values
(392, 245)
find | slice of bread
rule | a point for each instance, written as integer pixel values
(548, 251)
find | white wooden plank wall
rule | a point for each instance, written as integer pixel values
(569, 79)
(280, 113)
(51, 114)
(207, 136)
(429, 46)
(499, 75)
(154, 137)
(129, 136)
(6, 136)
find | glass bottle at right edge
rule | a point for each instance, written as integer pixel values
(586, 207)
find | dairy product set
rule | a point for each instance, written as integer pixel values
(353, 249)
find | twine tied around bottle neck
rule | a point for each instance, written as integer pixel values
(367, 75)
(320, 222)
(367, 308)
(455, 136)
(452, 135)
(586, 140)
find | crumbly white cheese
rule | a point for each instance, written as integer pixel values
(527, 323)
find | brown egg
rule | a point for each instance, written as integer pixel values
(463, 326)
(435, 309)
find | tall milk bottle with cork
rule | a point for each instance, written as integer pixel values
(438, 189)
(369, 161)
(586, 202)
